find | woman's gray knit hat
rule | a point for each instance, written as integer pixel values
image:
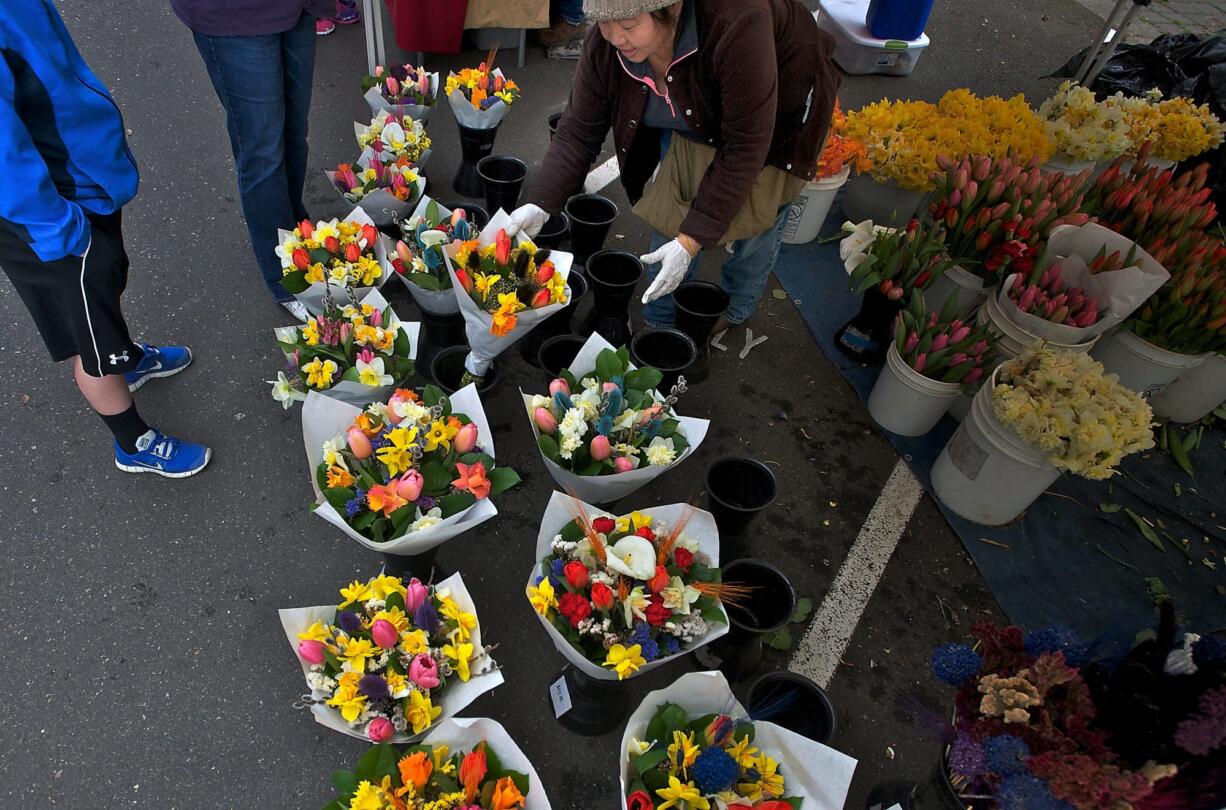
(605, 10)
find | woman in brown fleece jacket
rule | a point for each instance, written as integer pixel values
(731, 100)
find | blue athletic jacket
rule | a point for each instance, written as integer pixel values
(62, 139)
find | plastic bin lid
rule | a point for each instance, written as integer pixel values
(850, 16)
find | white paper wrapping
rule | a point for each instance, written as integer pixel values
(324, 418)
(464, 733)
(610, 488)
(458, 694)
(313, 297)
(700, 528)
(1119, 293)
(484, 347)
(816, 773)
(418, 112)
(469, 116)
(381, 205)
(354, 392)
(436, 302)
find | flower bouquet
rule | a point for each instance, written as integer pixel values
(389, 137)
(621, 596)
(942, 346)
(1082, 129)
(841, 152)
(356, 353)
(605, 431)
(509, 286)
(479, 98)
(1176, 128)
(326, 256)
(402, 90)
(461, 763)
(693, 745)
(384, 191)
(1091, 280)
(421, 257)
(401, 477)
(392, 658)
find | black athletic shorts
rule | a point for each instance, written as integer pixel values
(75, 300)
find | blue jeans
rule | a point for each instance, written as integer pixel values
(264, 84)
(571, 11)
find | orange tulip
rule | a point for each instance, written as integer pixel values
(416, 769)
(384, 499)
(506, 795)
(472, 771)
(472, 479)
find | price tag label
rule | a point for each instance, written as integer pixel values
(560, 696)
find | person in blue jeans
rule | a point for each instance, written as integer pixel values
(70, 172)
(260, 57)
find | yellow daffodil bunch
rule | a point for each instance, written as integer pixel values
(386, 658)
(903, 138)
(481, 89)
(393, 137)
(1064, 406)
(1084, 128)
(1177, 128)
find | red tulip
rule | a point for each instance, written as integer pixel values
(544, 272)
(352, 252)
(540, 299)
(502, 248)
(332, 245)
(302, 259)
(466, 439)
(306, 228)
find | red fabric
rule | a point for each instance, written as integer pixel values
(434, 26)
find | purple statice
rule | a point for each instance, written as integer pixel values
(425, 503)
(1209, 650)
(349, 621)
(966, 756)
(1005, 754)
(955, 664)
(1057, 638)
(374, 687)
(1025, 792)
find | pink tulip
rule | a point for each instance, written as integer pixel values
(940, 342)
(402, 252)
(415, 594)
(380, 729)
(384, 634)
(921, 360)
(393, 86)
(423, 84)
(600, 448)
(398, 398)
(545, 420)
(622, 464)
(376, 317)
(973, 375)
(346, 329)
(294, 359)
(423, 671)
(359, 444)
(312, 651)
(378, 71)
(912, 342)
(457, 216)
(466, 439)
(958, 359)
(609, 387)
(1027, 299)
(894, 294)
(960, 334)
(410, 485)
(559, 385)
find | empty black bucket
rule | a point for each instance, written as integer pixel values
(503, 178)
(794, 702)
(477, 216)
(698, 305)
(597, 707)
(767, 605)
(447, 368)
(554, 120)
(671, 351)
(613, 276)
(591, 216)
(475, 144)
(557, 353)
(555, 232)
(556, 324)
(438, 332)
(738, 489)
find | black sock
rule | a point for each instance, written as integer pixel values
(127, 427)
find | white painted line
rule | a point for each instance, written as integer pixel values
(601, 176)
(818, 654)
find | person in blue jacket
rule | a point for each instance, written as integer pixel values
(69, 172)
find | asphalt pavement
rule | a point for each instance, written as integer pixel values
(145, 662)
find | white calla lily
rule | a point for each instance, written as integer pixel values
(632, 557)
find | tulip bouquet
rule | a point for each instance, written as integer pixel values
(402, 90)
(940, 345)
(392, 657)
(621, 595)
(1050, 298)
(1176, 128)
(997, 211)
(421, 257)
(693, 745)
(841, 152)
(471, 764)
(383, 190)
(1083, 129)
(404, 475)
(355, 353)
(1063, 405)
(895, 262)
(604, 431)
(480, 98)
(389, 137)
(510, 286)
(318, 258)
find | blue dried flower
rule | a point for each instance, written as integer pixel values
(1209, 650)
(714, 771)
(558, 567)
(1026, 792)
(426, 617)
(374, 687)
(671, 645)
(1056, 639)
(353, 506)
(955, 664)
(349, 621)
(966, 756)
(562, 402)
(1005, 754)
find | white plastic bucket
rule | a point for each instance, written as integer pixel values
(1141, 365)
(970, 288)
(1195, 393)
(884, 203)
(1063, 164)
(1011, 338)
(986, 473)
(810, 209)
(906, 402)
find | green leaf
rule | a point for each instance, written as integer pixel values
(680, 443)
(1109, 508)
(425, 281)
(455, 503)
(608, 365)
(651, 760)
(570, 379)
(644, 379)
(431, 395)
(1146, 529)
(713, 615)
(437, 478)
(376, 763)
(345, 782)
(549, 447)
(474, 458)
(433, 214)
(778, 640)
(1158, 592)
(502, 479)
(350, 375)
(295, 283)
(337, 804)
(363, 521)
(572, 532)
(804, 606)
(338, 497)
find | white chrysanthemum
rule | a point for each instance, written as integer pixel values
(660, 452)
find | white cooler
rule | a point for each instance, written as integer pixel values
(857, 51)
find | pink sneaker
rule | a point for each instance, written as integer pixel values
(347, 12)
(324, 27)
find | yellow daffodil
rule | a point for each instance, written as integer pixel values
(542, 597)
(398, 456)
(316, 632)
(442, 759)
(743, 752)
(769, 783)
(314, 273)
(503, 320)
(682, 795)
(625, 660)
(319, 373)
(461, 654)
(483, 282)
(440, 435)
(356, 651)
(465, 622)
(557, 288)
(639, 747)
(310, 332)
(356, 592)
(367, 271)
(682, 752)
(384, 586)
(339, 477)
(421, 712)
(349, 701)
(397, 684)
(630, 525)
(373, 373)
(367, 797)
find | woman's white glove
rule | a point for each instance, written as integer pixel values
(529, 219)
(674, 261)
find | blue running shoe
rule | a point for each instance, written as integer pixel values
(158, 362)
(165, 455)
